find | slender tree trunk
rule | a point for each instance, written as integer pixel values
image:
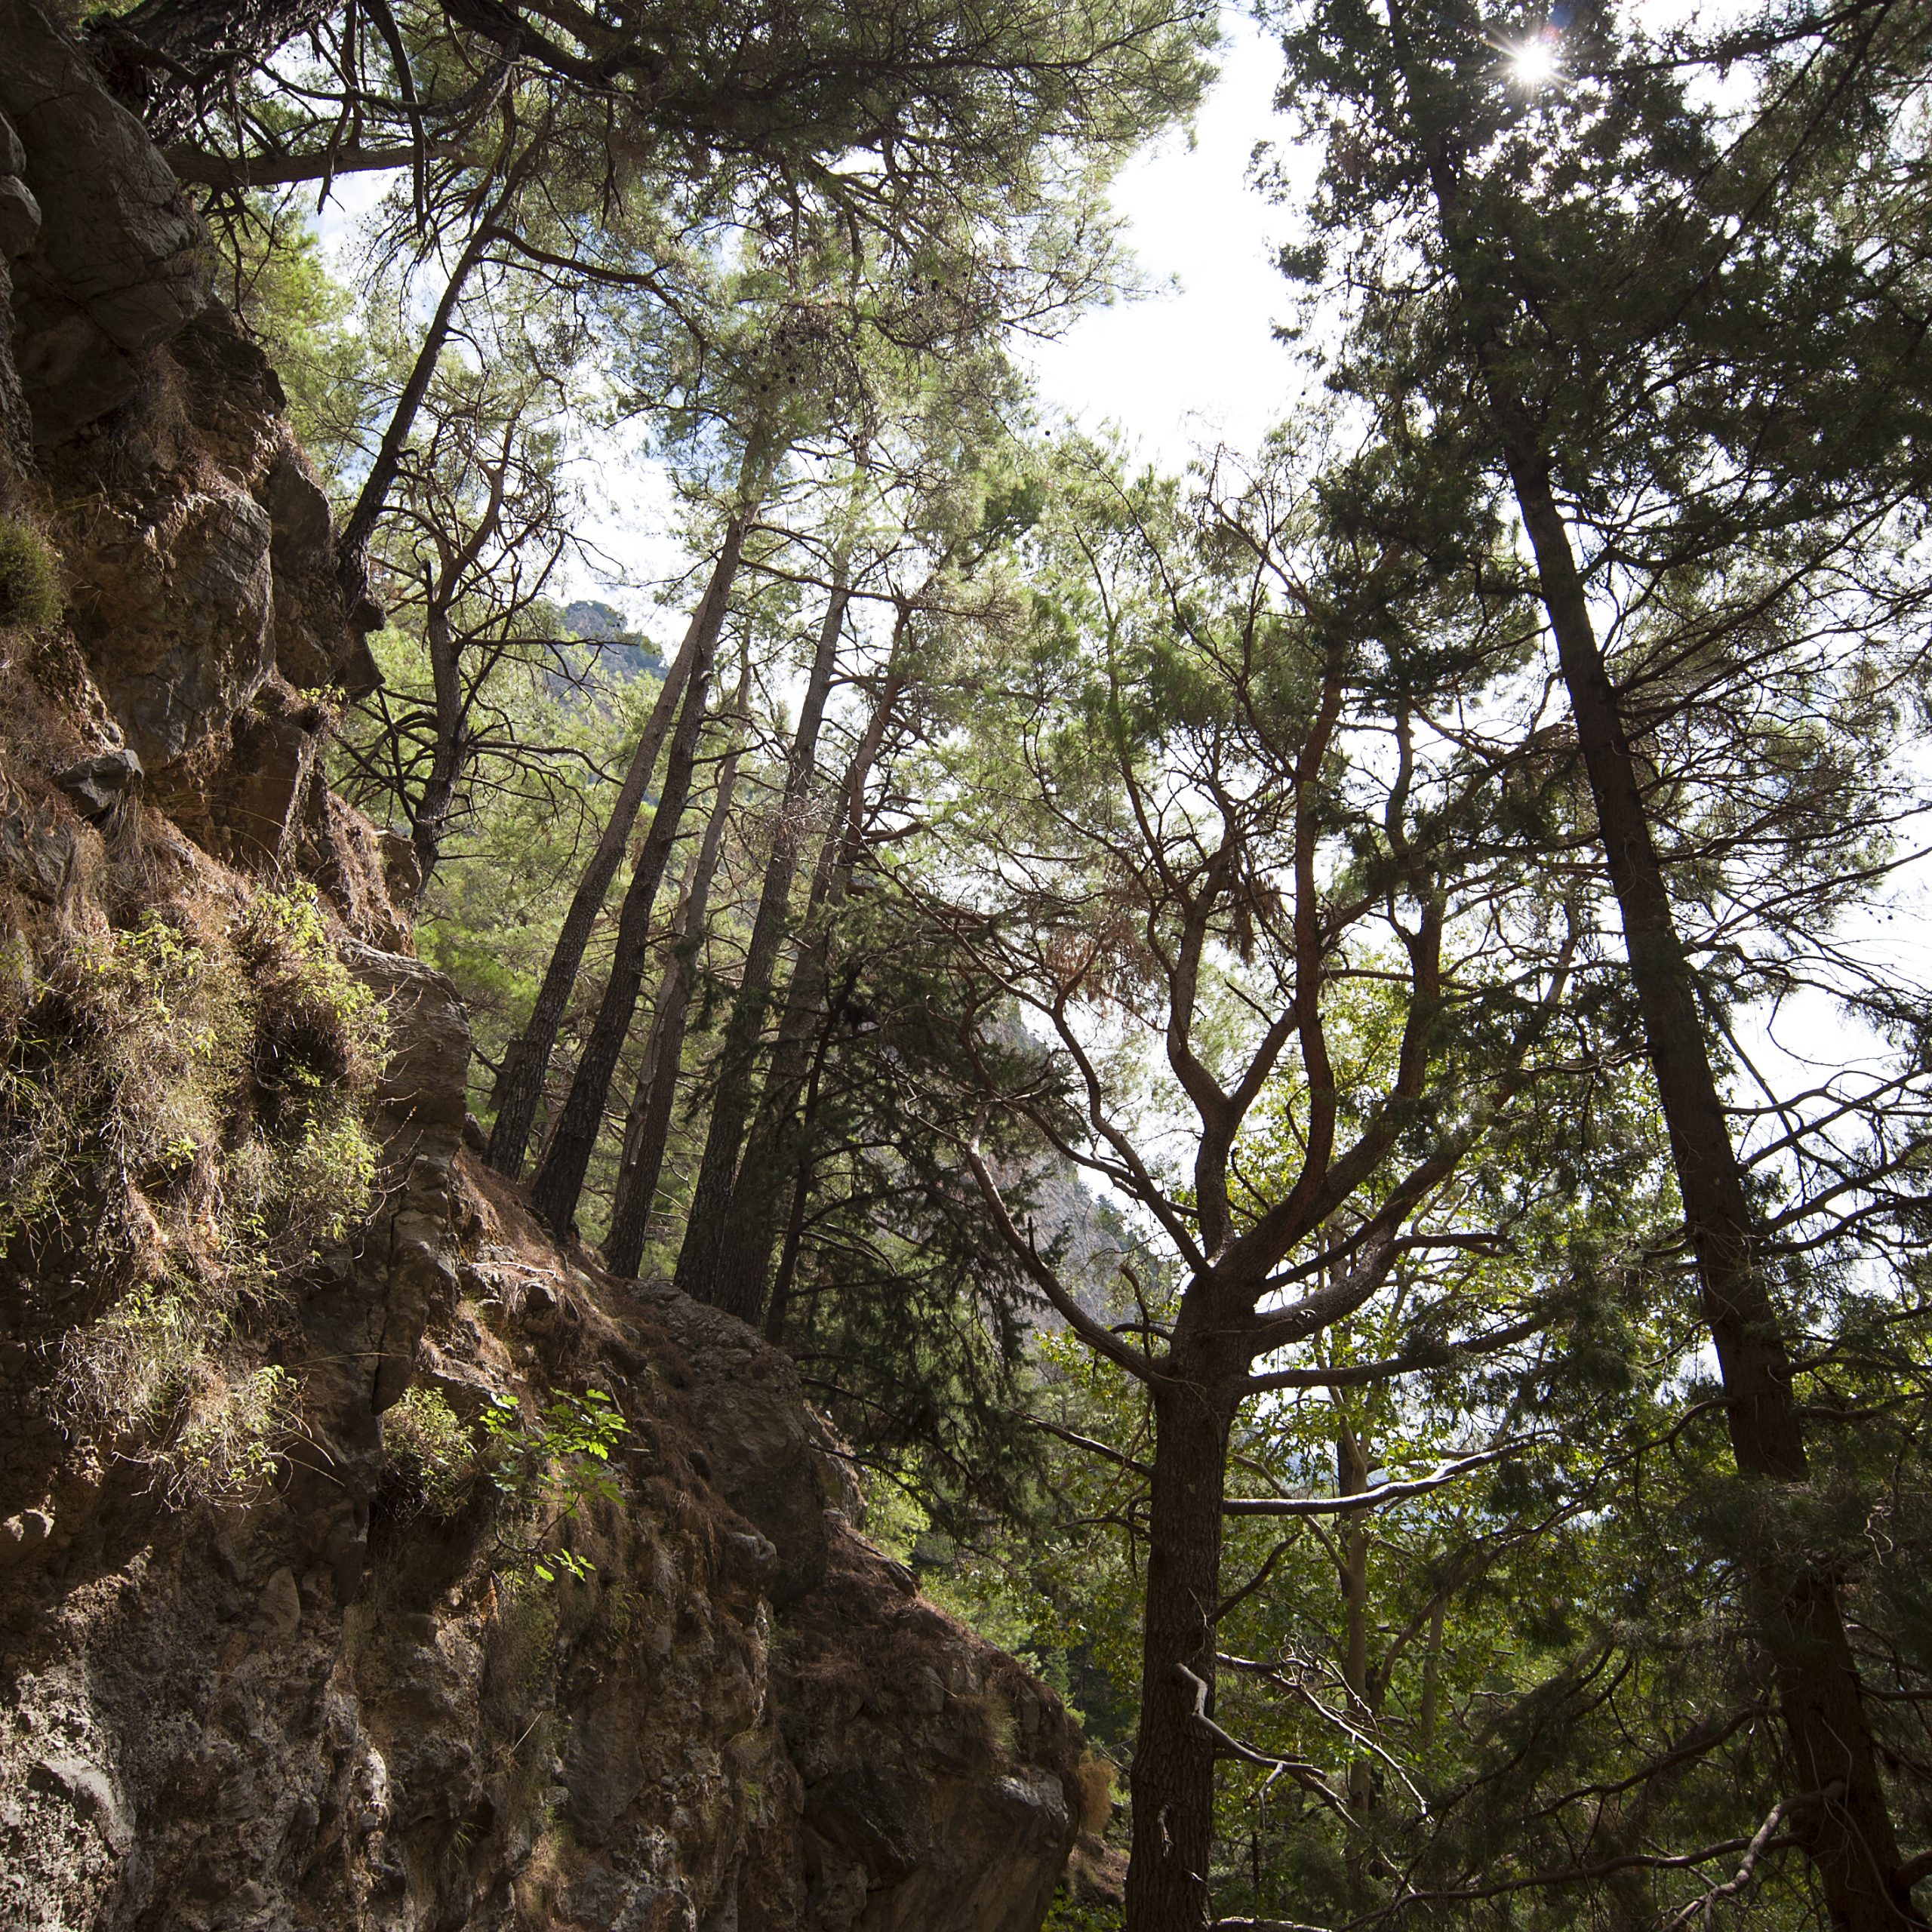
(1351, 1479)
(751, 1222)
(1173, 1777)
(559, 1184)
(1850, 1835)
(429, 823)
(780, 1308)
(1432, 1680)
(736, 1092)
(519, 1088)
(647, 1126)
(353, 541)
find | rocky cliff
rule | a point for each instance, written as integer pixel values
(386, 1567)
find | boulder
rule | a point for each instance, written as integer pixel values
(117, 265)
(171, 602)
(764, 1454)
(100, 786)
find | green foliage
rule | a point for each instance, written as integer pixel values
(228, 1440)
(546, 1469)
(182, 1130)
(1068, 1914)
(423, 1441)
(159, 1368)
(328, 359)
(30, 596)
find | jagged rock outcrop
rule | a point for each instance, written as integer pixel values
(327, 1699)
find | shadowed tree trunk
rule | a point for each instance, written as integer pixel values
(736, 1092)
(751, 1225)
(1850, 1835)
(647, 1126)
(1351, 1479)
(519, 1088)
(1172, 1776)
(559, 1184)
(779, 1310)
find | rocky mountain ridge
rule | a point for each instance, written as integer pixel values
(320, 1697)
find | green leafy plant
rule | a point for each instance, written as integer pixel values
(546, 1470)
(157, 1366)
(227, 1442)
(423, 1441)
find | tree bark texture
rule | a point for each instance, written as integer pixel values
(1850, 1838)
(1172, 1777)
(647, 1126)
(559, 1184)
(359, 528)
(519, 1087)
(736, 1092)
(751, 1229)
(778, 1310)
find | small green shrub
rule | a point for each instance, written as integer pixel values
(224, 1445)
(1068, 1914)
(30, 597)
(134, 1365)
(423, 1442)
(545, 1471)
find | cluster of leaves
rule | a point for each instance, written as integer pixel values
(548, 1469)
(425, 1444)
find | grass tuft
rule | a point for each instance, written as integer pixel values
(30, 596)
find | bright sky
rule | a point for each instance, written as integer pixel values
(1193, 362)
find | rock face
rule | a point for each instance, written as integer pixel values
(325, 1703)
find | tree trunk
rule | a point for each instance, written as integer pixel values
(555, 1192)
(780, 1308)
(697, 1273)
(1850, 1836)
(751, 1222)
(1432, 1680)
(648, 1127)
(1173, 1777)
(1351, 1479)
(519, 1088)
(352, 540)
(430, 822)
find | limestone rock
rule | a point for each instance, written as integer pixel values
(117, 265)
(316, 645)
(751, 1412)
(256, 798)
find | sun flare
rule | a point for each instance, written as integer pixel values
(1533, 63)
